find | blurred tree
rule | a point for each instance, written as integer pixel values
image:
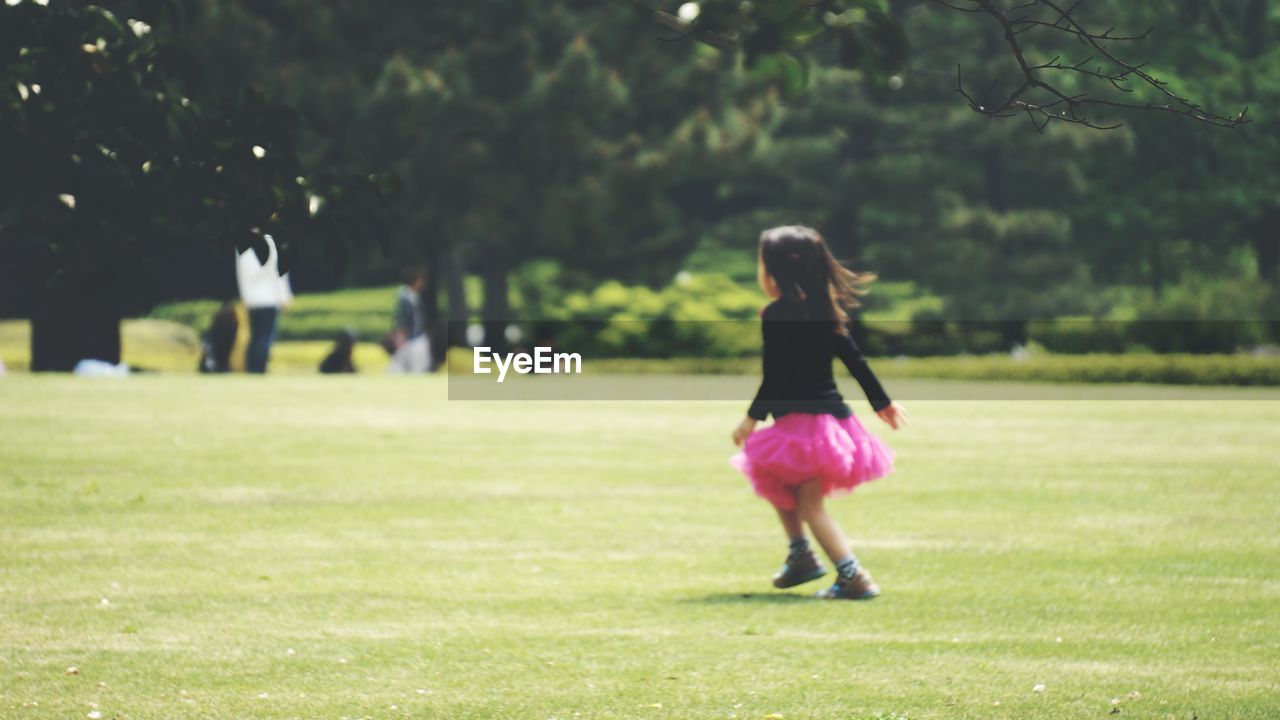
(567, 130)
(885, 169)
(1176, 202)
(560, 130)
(1007, 268)
(120, 171)
(1045, 80)
(906, 182)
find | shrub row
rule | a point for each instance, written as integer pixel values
(1182, 369)
(711, 316)
(626, 335)
(365, 311)
(926, 338)
(707, 316)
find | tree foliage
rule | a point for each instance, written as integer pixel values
(587, 135)
(1061, 68)
(123, 169)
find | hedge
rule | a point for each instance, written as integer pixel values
(366, 311)
(1222, 370)
(1182, 369)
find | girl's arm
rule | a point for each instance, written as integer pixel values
(774, 345)
(759, 409)
(851, 355)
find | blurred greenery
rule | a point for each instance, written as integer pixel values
(709, 315)
(124, 172)
(565, 151)
(313, 316)
(168, 346)
(1146, 368)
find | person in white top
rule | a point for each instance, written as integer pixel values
(265, 292)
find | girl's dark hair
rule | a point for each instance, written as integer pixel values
(807, 273)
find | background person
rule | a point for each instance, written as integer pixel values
(412, 350)
(220, 339)
(339, 358)
(265, 292)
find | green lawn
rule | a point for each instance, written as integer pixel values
(170, 347)
(294, 546)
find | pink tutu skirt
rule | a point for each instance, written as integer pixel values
(799, 446)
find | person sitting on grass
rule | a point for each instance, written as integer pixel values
(339, 359)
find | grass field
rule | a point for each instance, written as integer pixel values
(167, 346)
(307, 547)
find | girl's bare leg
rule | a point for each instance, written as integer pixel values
(811, 510)
(791, 523)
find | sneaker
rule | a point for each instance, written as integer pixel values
(859, 586)
(799, 569)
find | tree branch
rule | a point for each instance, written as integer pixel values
(717, 40)
(1036, 94)
(1042, 101)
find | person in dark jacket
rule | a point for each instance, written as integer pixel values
(339, 359)
(409, 346)
(220, 339)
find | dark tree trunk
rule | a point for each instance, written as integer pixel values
(497, 309)
(459, 313)
(1264, 234)
(430, 296)
(437, 332)
(844, 238)
(1156, 258)
(1013, 332)
(996, 180)
(1254, 28)
(66, 330)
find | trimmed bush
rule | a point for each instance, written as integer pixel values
(1223, 370)
(366, 311)
(1082, 335)
(1184, 369)
(928, 338)
(697, 316)
(1207, 317)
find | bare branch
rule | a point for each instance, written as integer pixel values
(1036, 95)
(690, 30)
(1043, 102)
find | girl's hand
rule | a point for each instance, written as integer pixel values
(744, 430)
(895, 415)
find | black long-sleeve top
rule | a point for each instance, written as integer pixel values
(797, 366)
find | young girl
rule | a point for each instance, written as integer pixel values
(815, 447)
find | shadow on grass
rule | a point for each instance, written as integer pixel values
(734, 598)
